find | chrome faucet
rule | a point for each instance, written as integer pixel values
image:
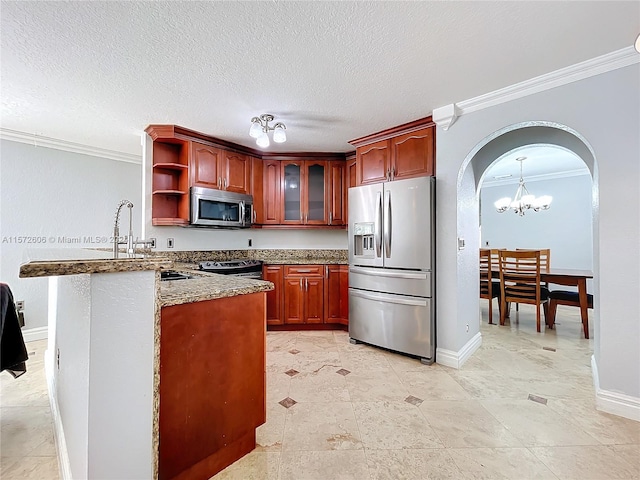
(130, 243)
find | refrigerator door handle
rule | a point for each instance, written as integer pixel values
(419, 302)
(378, 231)
(387, 225)
(378, 272)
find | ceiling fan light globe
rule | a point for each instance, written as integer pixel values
(263, 140)
(279, 135)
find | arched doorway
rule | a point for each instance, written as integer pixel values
(512, 138)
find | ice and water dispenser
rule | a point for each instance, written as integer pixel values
(363, 239)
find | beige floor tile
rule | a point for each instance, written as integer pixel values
(607, 429)
(630, 453)
(325, 385)
(29, 389)
(393, 425)
(364, 359)
(466, 423)
(414, 464)
(586, 462)
(312, 361)
(325, 465)
(375, 386)
(403, 363)
(316, 343)
(254, 466)
(490, 384)
(29, 468)
(278, 386)
(433, 384)
(269, 435)
(321, 426)
(281, 341)
(26, 431)
(499, 463)
(535, 424)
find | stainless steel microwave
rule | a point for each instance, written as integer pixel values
(218, 208)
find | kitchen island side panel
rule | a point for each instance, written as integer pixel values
(212, 383)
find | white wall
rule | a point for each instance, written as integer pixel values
(49, 194)
(570, 211)
(603, 109)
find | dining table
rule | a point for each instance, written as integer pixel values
(566, 276)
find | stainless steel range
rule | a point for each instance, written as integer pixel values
(240, 268)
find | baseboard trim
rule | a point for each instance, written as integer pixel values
(37, 333)
(613, 402)
(452, 359)
(58, 431)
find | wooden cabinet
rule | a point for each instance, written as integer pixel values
(212, 387)
(272, 193)
(406, 151)
(170, 177)
(304, 192)
(351, 171)
(275, 297)
(307, 295)
(337, 294)
(412, 154)
(373, 163)
(219, 169)
(337, 193)
(303, 294)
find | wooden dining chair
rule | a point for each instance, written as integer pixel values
(489, 288)
(545, 262)
(565, 297)
(520, 281)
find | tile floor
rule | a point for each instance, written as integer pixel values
(522, 407)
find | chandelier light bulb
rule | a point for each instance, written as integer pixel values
(256, 128)
(279, 135)
(263, 140)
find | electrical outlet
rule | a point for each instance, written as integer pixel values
(169, 242)
(20, 305)
(153, 242)
(250, 242)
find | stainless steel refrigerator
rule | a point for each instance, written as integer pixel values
(391, 266)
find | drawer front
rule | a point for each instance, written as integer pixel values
(304, 270)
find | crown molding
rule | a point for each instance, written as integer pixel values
(48, 142)
(573, 73)
(515, 179)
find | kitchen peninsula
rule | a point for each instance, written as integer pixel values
(150, 379)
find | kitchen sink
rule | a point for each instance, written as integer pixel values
(173, 275)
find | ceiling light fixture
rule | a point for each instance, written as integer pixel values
(523, 200)
(260, 127)
(637, 44)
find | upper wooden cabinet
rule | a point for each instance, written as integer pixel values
(220, 169)
(406, 151)
(294, 190)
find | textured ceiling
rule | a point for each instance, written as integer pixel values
(98, 73)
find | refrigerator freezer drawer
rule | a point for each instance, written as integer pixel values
(401, 282)
(396, 322)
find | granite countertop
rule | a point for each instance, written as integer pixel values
(71, 261)
(206, 286)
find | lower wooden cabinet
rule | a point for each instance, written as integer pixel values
(337, 294)
(303, 294)
(275, 300)
(307, 295)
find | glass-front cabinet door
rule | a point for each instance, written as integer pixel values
(304, 192)
(316, 193)
(292, 192)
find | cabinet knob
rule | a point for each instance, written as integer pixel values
(224, 183)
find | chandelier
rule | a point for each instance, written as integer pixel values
(260, 127)
(523, 200)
